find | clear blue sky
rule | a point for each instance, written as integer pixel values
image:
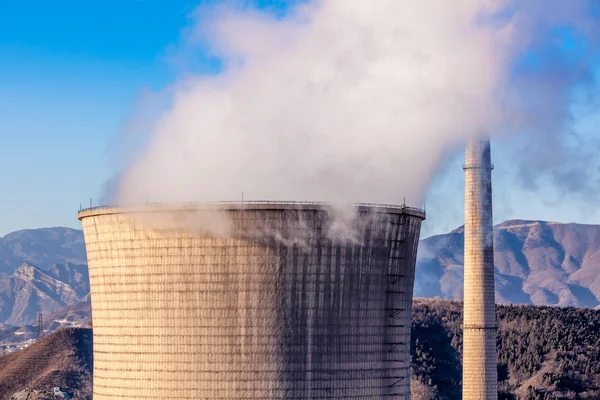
(70, 74)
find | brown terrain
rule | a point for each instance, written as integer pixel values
(63, 359)
(541, 263)
(29, 288)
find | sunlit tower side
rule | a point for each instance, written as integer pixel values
(480, 376)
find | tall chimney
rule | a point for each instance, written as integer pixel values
(480, 376)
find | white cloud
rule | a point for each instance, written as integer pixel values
(344, 101)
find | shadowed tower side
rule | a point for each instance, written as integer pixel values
(480, 376)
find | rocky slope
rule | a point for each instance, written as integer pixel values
(76, 315)
(73, 275)
(28, 289)
(542, 263)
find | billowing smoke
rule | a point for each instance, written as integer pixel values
(554, 87)
(355, 101)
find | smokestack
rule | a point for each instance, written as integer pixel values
(480, 376)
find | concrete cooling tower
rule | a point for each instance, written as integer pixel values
(251, 301)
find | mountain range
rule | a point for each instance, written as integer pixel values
(41, 268)
(29, 288)
(537, 262)
(41, 247)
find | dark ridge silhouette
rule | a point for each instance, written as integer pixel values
(544, 353)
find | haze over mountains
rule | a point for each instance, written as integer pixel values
(537, 262)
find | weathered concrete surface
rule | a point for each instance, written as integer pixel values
(480, 377)
(284, 305)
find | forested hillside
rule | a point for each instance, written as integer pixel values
(543, 352)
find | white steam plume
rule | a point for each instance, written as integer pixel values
(343, 101)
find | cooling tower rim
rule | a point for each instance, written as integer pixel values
(247, 205)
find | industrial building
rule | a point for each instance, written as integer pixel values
(480, 375)
(254, 300)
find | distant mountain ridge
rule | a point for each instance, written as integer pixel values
(537, 262)
(41, 268)
(30, 289)
(73, 275)
(42, 247)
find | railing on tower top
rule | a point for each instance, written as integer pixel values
(262, 202)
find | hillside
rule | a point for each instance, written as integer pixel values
(28, 289)
(542, 263)
(544, 353)
(41, 268)
(63, 359)
(75, 315)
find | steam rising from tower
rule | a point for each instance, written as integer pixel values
(480, 377)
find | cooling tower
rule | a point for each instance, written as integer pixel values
(480, 376)
(251, 301)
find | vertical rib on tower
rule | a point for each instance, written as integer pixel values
(480, 377)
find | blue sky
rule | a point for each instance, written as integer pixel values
(71, 73)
